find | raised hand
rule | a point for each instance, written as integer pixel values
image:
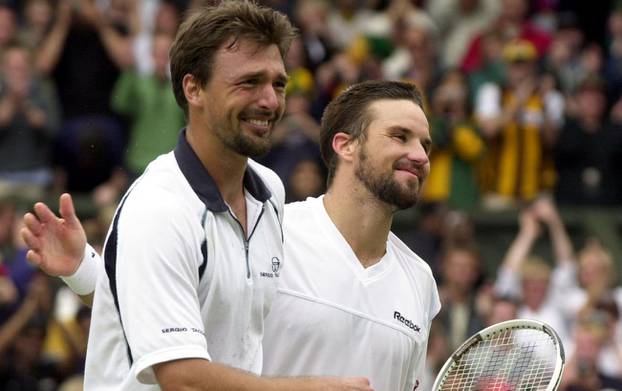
(56, 244)
(545, 210)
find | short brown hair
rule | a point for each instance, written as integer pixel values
(205, 31)
(348, 113)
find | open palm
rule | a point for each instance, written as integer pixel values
(56, 244)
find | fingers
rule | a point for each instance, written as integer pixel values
(32, 223)
(44, 213)
(34, 257)
(30, 239)
(67, 210)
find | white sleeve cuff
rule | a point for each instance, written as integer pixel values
(83, 281)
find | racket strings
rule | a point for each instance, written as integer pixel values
(517, 359)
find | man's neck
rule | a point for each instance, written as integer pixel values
(224, 165)
(363, 221)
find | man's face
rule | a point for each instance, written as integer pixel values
(393, 161)
(245, 96)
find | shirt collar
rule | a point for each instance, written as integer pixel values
(202, 182)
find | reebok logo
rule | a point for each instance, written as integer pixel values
(407, 322)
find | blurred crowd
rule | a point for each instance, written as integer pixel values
(524, 100)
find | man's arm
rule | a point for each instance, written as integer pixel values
(507, 280)
(562, 245)
(198, 374)
(57, 245)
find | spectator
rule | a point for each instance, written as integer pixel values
(459, 21)
(512, 24)
(296, 136)
(492, 69)
(458, 147)
(460, 317)
(29, 119)
(311, 18)
(588, 152)
(595, 279)
(530, 279)
(166, 20)
(563, 56)
(91, 138)
(149, 102)
(22, 364)
(306, 180)
(513, 118)
(581, 372)
(346, 21)
(38, 17)
(415, 55)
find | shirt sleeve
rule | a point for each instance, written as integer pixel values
(158, 256)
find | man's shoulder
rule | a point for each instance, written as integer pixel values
(408, 257)
(161, 190)
(300, 213)
(270, 179)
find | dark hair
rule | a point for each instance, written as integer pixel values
(348, 113)
(205, 31)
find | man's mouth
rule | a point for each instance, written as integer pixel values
(408, 168)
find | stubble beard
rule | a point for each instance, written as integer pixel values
(234, 138)
(246, 146)
(384, 187)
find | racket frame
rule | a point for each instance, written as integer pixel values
(490, 331)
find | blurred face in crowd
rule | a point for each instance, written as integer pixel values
(514, 10)
(16, 69)
(306, 180)
(38, 13)
(161, 46)
(296, 55)
(588, 341)
(595, 269)
(460, 268)
(501, 311)
(167, 18)
(519, 71)
(591, 103)
(245, 96)
(535, 289)
(393, 159)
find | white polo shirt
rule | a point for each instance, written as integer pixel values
(180, 279)
(334, 317)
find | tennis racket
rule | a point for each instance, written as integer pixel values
(518, 354)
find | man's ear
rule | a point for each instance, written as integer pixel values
(192, 90)
(345, 146)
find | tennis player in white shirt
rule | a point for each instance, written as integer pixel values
(353, 300)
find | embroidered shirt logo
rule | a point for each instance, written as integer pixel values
(407, 322)
(275, 265)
